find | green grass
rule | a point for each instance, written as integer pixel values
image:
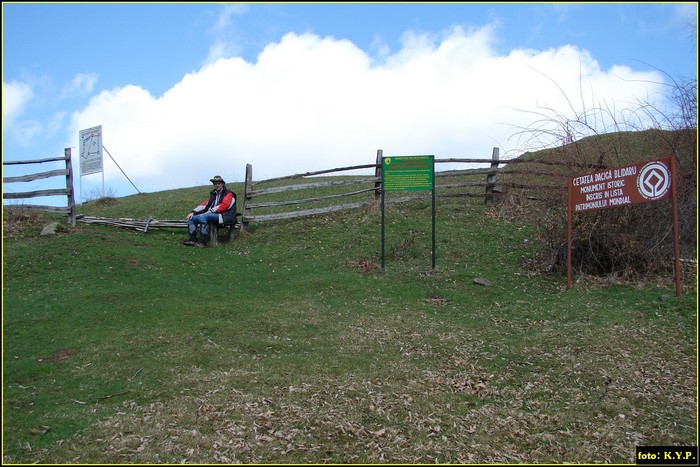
(289, 345)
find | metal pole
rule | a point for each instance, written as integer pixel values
(382, 204)
(676, 230)
(568, 234)
(433, 170)
(127, 177)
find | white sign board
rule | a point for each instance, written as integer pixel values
(91, 150)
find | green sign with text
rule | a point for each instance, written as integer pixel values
(408, 173)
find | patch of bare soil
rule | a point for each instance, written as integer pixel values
(59, 356)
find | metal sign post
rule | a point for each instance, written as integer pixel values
(91, 154)
(409, 173)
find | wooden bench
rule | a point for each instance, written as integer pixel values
(229, 226)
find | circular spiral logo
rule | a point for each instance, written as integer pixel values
(654, 180)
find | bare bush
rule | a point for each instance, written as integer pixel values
(18, 220)
(96, 194)
(632, 241)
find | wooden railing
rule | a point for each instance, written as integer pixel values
(67, 191)
(273, 199)
(476, 183)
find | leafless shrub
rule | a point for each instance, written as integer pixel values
(633, 241)
(96, 194)
(18, 220)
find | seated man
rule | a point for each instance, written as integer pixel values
(220, 207)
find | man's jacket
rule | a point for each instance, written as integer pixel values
(222, 203)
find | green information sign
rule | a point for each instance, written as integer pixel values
(408, 173)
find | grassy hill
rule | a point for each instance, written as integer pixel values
(291, 345)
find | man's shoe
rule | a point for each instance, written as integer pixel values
(189, 243)
(200, 245)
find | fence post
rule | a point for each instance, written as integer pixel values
(69, 187)
(378, 174)
(491, 177)
(247, 197)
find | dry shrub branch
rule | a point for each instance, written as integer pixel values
(633, 241)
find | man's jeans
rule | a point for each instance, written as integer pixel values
(203, 220)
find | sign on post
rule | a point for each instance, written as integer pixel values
(409, 173)
(633, 184)
(91, 150)
(620, 186)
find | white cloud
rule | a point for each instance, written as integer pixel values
(225, 43)
(218, 50)
(15, 96)
(82, 83)
(311, 103)
(228, 12)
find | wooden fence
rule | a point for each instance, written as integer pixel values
(272, 199)
(67, 191)
(475, 183)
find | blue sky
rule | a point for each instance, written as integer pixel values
(187, 91)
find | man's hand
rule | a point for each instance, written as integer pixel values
(189, 215)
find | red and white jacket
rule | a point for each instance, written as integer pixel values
(222, 203)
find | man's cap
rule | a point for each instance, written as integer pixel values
(217, 179)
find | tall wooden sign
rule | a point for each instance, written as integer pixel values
(621, 186)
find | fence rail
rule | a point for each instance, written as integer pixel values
(271, 199)
(455, 182)
(67, 192)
